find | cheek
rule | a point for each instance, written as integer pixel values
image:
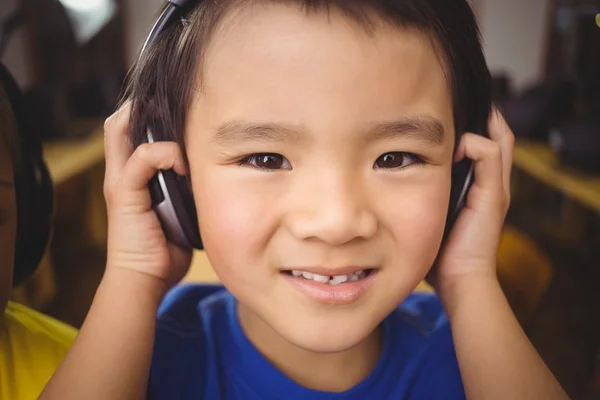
(416, 218)
(233, 214)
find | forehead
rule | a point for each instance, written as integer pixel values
(270, 59)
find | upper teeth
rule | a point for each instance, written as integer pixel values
(331, 279)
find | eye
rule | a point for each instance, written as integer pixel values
(397, 160)
(267, 162)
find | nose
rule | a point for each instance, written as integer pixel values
(333, 209)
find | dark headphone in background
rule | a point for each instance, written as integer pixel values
(172, 196)
(33, 185)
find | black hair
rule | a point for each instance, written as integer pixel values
(162, 82)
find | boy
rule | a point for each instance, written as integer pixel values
(319, 138)
(31, 344)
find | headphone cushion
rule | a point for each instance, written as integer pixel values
(35, 212)
(183, 203)
(34, 189)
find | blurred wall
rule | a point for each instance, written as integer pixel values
(139, 14)
(514, 34)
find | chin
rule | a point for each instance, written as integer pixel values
(327, 335)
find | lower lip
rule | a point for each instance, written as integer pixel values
(343, 293)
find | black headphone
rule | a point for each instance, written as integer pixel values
(172, 196)
(34, 188)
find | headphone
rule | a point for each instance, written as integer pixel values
(33, 186)
(172, 196)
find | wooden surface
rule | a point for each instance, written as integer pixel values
(538, 160)
(201, 270)
(69, 158)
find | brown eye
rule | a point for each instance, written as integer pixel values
(390, 161)
(397, 160)
(267, 162)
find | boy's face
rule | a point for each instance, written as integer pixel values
(339, 121)
(8, 224)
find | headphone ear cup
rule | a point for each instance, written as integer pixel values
(462, 180)
(35, 217)
(185, 208)
(34, 188)
(173, 202)
(174, 205)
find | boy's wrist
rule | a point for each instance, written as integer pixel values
(459, 290)
(136, 283)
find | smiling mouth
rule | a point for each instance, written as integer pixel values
(355, 276)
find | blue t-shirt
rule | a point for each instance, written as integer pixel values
(201, 352)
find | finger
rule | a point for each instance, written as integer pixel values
(501, 133)
(146, 160)
(117, 148)
(487, 156)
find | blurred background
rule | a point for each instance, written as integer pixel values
(71, 56)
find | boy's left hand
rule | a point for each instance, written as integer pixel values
(471, 248)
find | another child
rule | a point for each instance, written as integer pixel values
(31, 344)
(319, 138)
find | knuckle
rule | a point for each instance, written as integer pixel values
(510, 139)
(118, 118)
(108, 194)
(111, 122)
(115, 195)
(493, 150)
(173, 149)
(106, 187)
(108, 123)
(510, 135)
(468, 137)
(144, 151)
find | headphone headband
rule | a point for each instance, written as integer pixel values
(183, 3)
(173, 10)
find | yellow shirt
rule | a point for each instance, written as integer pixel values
(32, 345)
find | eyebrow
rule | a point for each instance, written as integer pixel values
(423, 128)
(235, 131)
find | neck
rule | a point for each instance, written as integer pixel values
(327, 372)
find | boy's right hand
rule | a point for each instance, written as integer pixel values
(136, 241)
